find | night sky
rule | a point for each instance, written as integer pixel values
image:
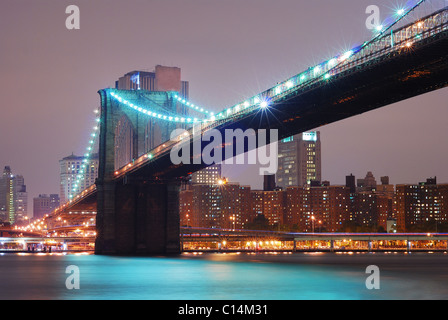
(227, 49)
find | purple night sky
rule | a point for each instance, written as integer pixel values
(227, 50)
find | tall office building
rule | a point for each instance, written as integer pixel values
(4, 188)
(20, 199)
(299, 160)
(13, 197)
(45, 204)
(70, 168)
(162, 79)
(7, 195)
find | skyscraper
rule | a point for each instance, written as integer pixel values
(20, 199)
(13, 197)
(70, 168)
(162, 79)
(4, 189)
(299, 160)
(7, 195)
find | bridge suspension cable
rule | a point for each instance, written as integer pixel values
(193, 106)
(83, 170)
(157, 115)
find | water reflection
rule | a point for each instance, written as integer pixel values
(225, 276)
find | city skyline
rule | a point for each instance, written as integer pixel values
(61, 71)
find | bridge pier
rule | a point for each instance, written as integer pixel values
(138, 218)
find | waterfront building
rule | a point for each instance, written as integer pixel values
(371, 209)
(271, 204)
(421, 205)
(185, 208)
(220, 205)
(322, 208)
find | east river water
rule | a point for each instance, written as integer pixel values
(244, 276)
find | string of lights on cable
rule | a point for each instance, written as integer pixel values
(160, 116)
(83, 170)
(322, 71)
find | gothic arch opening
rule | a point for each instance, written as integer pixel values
(124, 142)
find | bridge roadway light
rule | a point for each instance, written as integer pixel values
(278, 90)
(332, 62)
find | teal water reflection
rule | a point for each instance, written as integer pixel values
(224, 277)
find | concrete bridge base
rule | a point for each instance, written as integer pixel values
(138, 218)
